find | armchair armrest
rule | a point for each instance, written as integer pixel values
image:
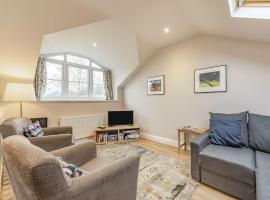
(77, 154)
(197, 145)
(52, 142)
(57, 130)
(115, 181)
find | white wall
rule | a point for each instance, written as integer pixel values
(116, 46)
(248, 84)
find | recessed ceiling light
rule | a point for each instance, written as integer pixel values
(94, 44)
(167, 30)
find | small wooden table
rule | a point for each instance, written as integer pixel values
(187, 131)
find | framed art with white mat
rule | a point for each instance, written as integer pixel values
(212, 79)
(156, 85)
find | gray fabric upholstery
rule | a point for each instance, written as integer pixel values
(259, 132)
(262, 175)
(79, 154)
(57, 130)
(36, 174)
(236, 163)
(226, 184)
(238, 116)
(18, 123)
(197, 145)
(52, 142)
(54, 137)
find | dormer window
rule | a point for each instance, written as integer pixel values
(73, 77)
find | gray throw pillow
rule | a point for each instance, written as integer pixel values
(238, 116)
(259, 132)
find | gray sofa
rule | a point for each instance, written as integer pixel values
(36, 174)
(241, 172)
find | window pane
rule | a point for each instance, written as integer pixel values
(98, 91)
(77, 74)
(53, 89)
(98, 77)
(57, 57)
(95, 65)
(54, 71)
(78, 89)
(78, 60)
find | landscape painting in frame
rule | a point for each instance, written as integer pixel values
(156, 85)
(212, 79)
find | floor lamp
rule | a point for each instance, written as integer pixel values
(17, 92)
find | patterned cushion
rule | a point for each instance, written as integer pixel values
(33, 130)
(71, 170)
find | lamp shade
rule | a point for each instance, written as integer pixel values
(19, 92)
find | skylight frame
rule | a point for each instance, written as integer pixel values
(253, 3)
(249, 12)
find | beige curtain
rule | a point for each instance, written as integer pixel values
(108, 85)
(40, 78)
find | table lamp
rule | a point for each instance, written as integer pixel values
(17, 92)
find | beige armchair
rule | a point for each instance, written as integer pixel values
(54, 138)
(36, 174)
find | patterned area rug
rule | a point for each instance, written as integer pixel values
(160, 177)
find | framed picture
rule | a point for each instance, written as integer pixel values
(156, 85)
(212, 79)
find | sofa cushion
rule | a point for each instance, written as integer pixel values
(259, 132)
(262, 175)
(236, 163)
(225, 132)
(238, 116)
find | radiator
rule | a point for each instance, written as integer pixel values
(83, 126)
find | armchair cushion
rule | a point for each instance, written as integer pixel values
(52, 142)
(79, 153)
(57, 130)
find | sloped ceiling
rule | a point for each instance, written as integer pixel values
(23, 25)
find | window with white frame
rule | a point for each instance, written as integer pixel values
(73, 77)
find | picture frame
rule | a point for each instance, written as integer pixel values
(156, 85)
(211, 79)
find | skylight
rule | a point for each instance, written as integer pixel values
(256, 9)
(254, 3)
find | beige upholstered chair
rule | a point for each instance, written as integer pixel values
(54, 138)
(36, 174)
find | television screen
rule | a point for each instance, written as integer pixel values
(120, 118)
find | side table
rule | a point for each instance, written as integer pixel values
(186, 132)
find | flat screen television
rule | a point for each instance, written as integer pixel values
(120, 118)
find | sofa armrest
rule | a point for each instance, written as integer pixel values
(197, 145)
(52, 142)
(77, 154)
(117, 180)
(57, 130)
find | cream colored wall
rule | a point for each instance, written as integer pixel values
(55, 110)
(248, 84)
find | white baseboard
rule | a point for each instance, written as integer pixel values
(159, 139)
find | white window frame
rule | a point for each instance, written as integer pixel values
(65, 81)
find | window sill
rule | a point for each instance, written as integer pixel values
(76, 100)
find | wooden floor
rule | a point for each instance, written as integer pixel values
(203, 192)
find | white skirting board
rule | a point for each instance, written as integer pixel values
(159, 139)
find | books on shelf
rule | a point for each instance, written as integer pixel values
(121, 134)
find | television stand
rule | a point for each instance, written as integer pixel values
(121, 133)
